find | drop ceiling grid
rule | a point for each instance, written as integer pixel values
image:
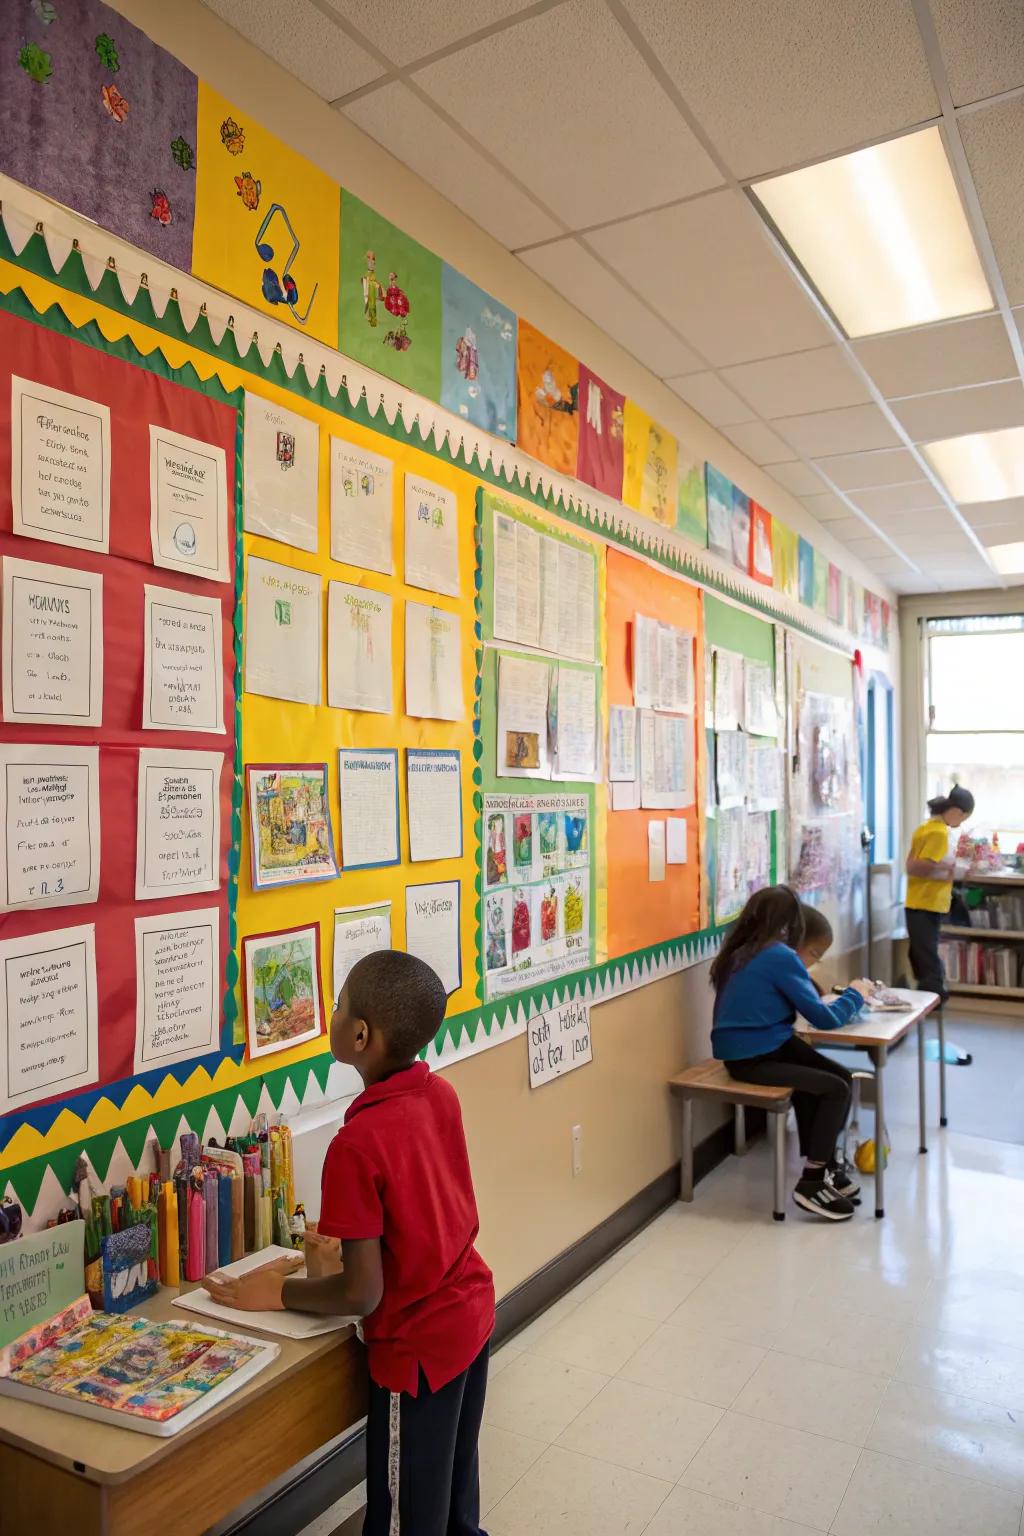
(529, 102)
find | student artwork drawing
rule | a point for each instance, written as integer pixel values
(478, 359)
(283, 1005)
(290, 824)
(390, 299)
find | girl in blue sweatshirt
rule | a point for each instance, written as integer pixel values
(761, 984)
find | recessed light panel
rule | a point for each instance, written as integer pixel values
(981, 466)
(1008, 559)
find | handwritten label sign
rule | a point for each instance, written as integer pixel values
(52, 644)
(559, 1042)
(40, 1275)
(183, 682)
(60, 463)
(49, 810)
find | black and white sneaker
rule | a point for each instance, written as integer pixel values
(842, 1178)
(817, 1197)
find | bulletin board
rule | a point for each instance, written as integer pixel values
(641, 912)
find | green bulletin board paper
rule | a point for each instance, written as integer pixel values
(405, 347)
(40, 1275)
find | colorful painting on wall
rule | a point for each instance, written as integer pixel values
(719, 488)
(478, 356)
(548, 380)
(283, 1002)
(649, 467)
(692, 503)
(290, 837)
(820, 582)
(389, 311)
(602, 432)
(266, 221)
(99, 118)
(785, 559)
(740, 530)
(806, 558)
(835, 594)
(762, 565)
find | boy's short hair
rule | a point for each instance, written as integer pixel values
(401, 996)
(817, 928)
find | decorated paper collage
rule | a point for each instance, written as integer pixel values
(389, 314)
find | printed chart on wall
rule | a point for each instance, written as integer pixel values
(542, 746)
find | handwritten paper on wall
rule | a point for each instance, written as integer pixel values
(358, 648)
(431, 537)
(369, 807)
(178, 836)
(52, 645)
(432, 929)
(177, 983)
(544, 590)
(60, 466)
(729, 700)
(622, 758)
(183, 684)
(522, 737)
(282, 472)
(666, 761)
(662, 666)
(358, 932)
(559, 1042)
(433, 663)
(48, 1015)
(760, 717)
(282, 632)
(576, 723)
(188, 490)
(49, 810)
(434, 795)
(764, 776)
(362, 512)
(730, 768)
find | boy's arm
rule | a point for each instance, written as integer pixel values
(353, 1291)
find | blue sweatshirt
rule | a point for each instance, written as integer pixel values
(756, 1009)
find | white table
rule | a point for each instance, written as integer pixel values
(876, 1033)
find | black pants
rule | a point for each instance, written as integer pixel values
(425, 1449)
(822, 1090)
(923, 929)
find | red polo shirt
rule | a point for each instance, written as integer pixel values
(399, 1170)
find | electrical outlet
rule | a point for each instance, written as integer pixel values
(577, 1150)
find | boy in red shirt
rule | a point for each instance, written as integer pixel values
(398, 1194)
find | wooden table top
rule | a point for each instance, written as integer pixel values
(871, 1030)
(106, 1454)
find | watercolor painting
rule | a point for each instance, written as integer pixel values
(599, 459)
(762, 567)
(497, 848)
(496, 935)
(692, 504)
(289, 824)
(740, 530)
(719, 492)
(806, 567)
(389, 302)
(282, 989)
(785, 559)
(548, 382)
(478, 356)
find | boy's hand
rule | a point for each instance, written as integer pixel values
(323, 1254)
(259, 1290)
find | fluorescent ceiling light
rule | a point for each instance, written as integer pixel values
(882, 235)
(982, 466)
(1008, 559)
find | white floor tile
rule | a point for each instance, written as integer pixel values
(577, 1496)
(966, 1367)
(896, 1498)
(596, 1337)
(504, 1457)
(538, 1398)
(641, 1428)
(806, 1394)
(773, 1469)
(650, 1285)
(835, 1335)
(956, 1434)
(747, 1313)
(694, 1364)
(686, 1513)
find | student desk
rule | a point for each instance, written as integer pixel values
(875, 1033)
(62, 1473)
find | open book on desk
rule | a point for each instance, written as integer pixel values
(284, 1325)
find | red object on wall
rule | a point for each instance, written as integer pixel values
(762, 565)
(136, 398)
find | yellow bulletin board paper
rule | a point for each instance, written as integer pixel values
(650, 466)
(267, 220)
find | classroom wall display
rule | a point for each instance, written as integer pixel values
(692, 505)
(290, 836)
(478, 355)
(283, 1001)
(282, 469)
(649, 467)
(548, 393)
(762, 566)
(820, 582)
(805, 558)
(390, 299)
(719, 498)
(599, 459)
(786, 559)
(740, 530)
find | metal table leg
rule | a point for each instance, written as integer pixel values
(779, 1211)
(878, 1055)
(941, 1013)
(922, 1098)
(739, 1130)
(686, 1159)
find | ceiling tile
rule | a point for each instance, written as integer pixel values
(397, 118)
(850, 471)
(797, 477)
(992, 138)
(940, 541)
(954, 412)
(889, 565)
(869, 548)
(908, 584)
(982, 44)
(572, 110)
(823, 77)
(849, 430)
(758, 442)
(826, 507)
(1002, 533)
(985, 514)
(581, 279)
(848, 528)
(948, 356)
(716, 280)
(882, 500)
(310, 46)
(800, 381)
(898, 523)
(712, 399)
(406, 32)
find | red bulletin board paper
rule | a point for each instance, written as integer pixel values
(136, 398)
(639, 912)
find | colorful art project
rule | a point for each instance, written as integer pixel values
(290, 836)
(650, 467)
(740, 530)
(820, 582)
(761, 563)
(478, 356)
(785, 559)
(692, 503)
(390, 299)
(806, 567)
(602, 426)
(284, 1006)
(548, 383)
(153, 1377)
(719, 493)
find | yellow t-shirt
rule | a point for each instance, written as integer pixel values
(930, 841)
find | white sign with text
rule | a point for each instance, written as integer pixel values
(559, 1042)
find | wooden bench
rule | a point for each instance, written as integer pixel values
(710, 1080)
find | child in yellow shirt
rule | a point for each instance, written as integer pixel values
(930, 870)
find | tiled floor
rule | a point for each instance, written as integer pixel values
(727, 1376)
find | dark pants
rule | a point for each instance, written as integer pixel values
(924, 930)
(822, 1090)
(425, 1448)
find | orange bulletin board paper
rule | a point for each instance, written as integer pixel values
(548, 381)
(640, 912)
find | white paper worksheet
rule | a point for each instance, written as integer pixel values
(50, 815)
(433, 663)
(358, 931)
(369, 807)
(177, 986)
(48, 1015)
(522, 736)
(282, 454)
(434, 797)
(52, 644)
(178, 832)
(183, 678)
(358, 648)
(60, 466)
(431, 537)
(432, 929)
(282, 631)
(188, 493)
(362, 513)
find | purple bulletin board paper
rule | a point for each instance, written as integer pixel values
(96, 116)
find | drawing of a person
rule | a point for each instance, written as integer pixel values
(373, 289)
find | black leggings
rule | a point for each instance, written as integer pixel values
(923, 931)
(822, 1090)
